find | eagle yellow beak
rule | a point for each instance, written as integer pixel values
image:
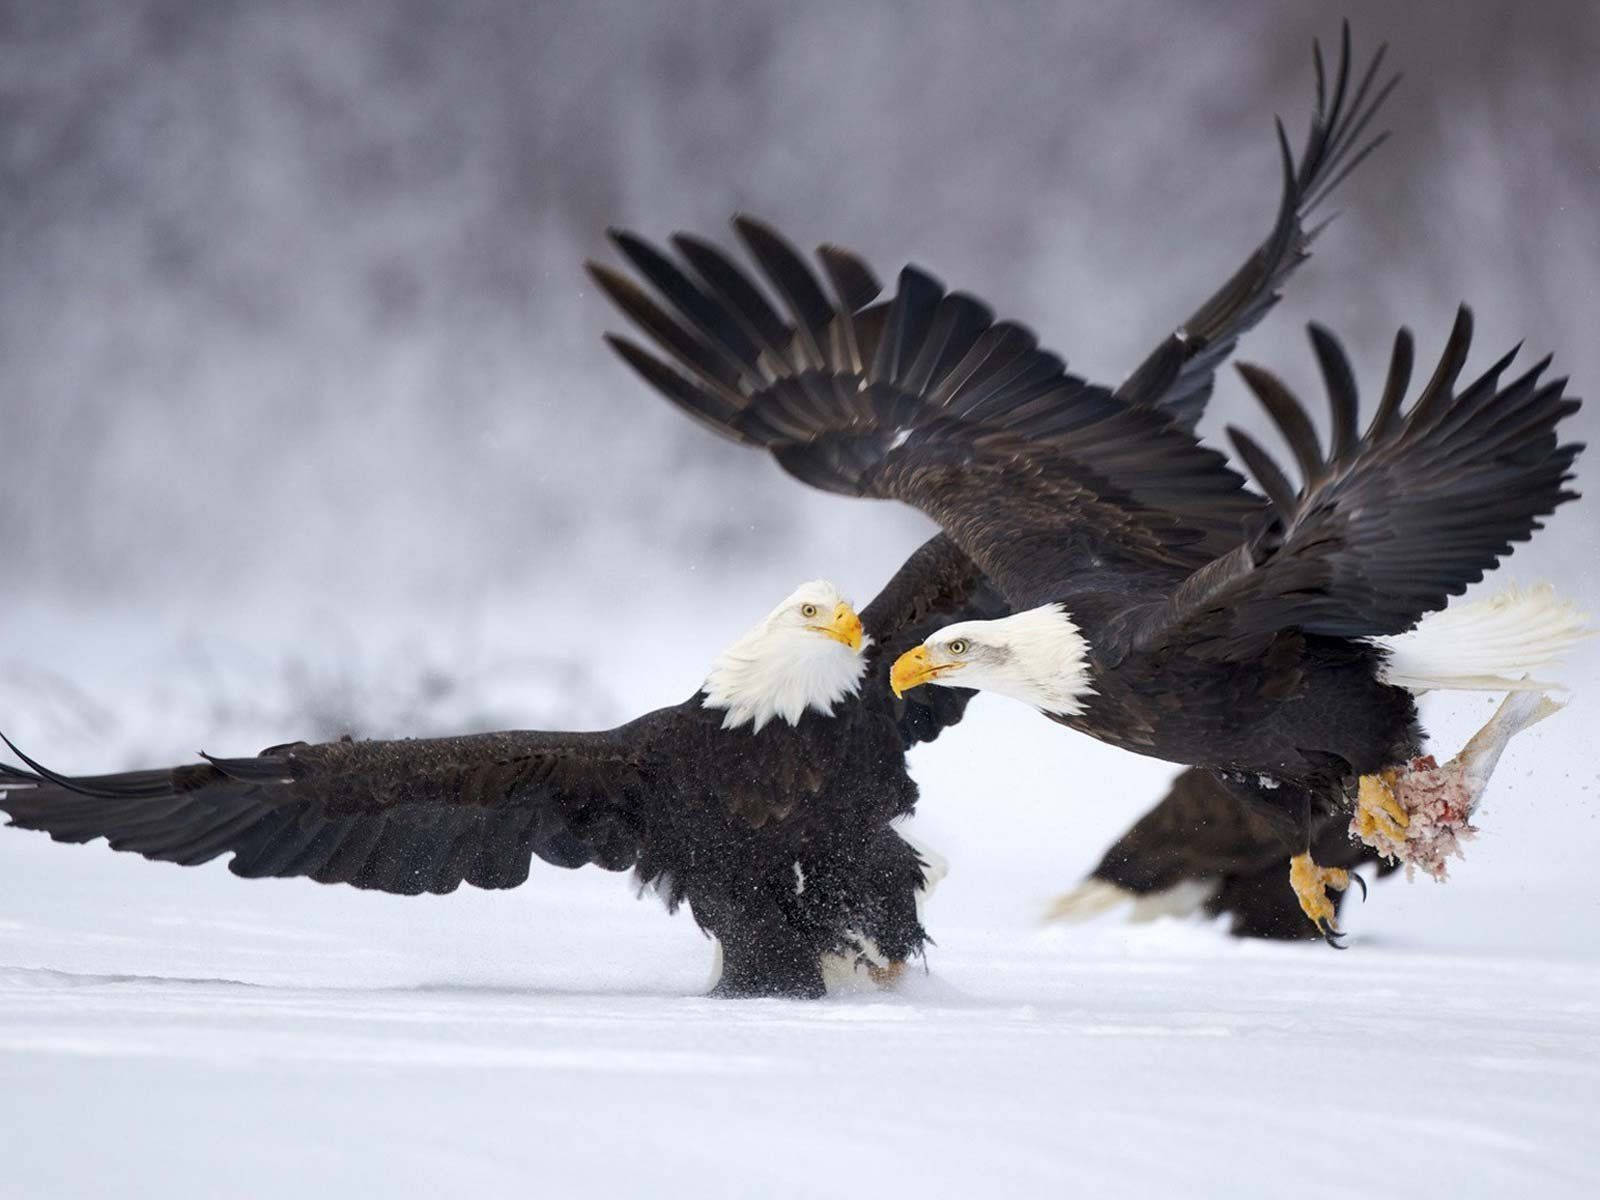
(845, 627)
(913, 668)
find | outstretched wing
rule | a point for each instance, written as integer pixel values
(404, 817)
(1390, 524)
(936, 586)
(1205, 845)
(1178, 375)
(926, 399)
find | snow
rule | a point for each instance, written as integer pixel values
(169, 1032)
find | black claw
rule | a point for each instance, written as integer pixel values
(1357, 879)
(1332, 936)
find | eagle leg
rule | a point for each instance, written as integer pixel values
(763, 954)
(1420, 812)
(887, 976)
(748, 976)
(1310, 883)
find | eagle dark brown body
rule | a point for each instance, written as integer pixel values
(1300, 722)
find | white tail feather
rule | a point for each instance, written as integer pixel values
(1487, 645)
(1089, 899)
(1095, 896)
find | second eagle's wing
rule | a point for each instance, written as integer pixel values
(404, 816)
(926, 398)
(936, 586)
(1178, 375)
(1389, 524)
(1207, 846)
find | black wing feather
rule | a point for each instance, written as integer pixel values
(964, 418)
(404, 817)
(1179, 374)
(1418, 508)
(712, 317)
(937, 586)
(742, 298)
(794, 282)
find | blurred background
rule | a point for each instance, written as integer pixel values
(306, 422)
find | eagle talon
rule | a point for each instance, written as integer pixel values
(887, 976)
(1356, 879)
(1311, 883)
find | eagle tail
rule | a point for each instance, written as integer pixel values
(1492, 645)
(1096, 895)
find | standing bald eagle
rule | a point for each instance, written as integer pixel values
(765, 800)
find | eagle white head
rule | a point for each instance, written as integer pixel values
(808, 653)
(1038, 656)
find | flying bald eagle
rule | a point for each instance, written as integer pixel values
(1290, 663)
(765, 800)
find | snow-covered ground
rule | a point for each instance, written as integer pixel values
(168, 1032)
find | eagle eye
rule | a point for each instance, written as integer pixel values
(808, 611)
(958, 646)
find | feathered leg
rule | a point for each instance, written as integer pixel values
(880, 889)
(1311, 881)
(764, 952)
(1261, 908)
(766, 957)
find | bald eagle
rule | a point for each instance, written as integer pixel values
(1290, 663)
(765, 801)
(1158, 604)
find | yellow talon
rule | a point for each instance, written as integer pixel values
(1310, 883)
(887, 976)
(1377, 810)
